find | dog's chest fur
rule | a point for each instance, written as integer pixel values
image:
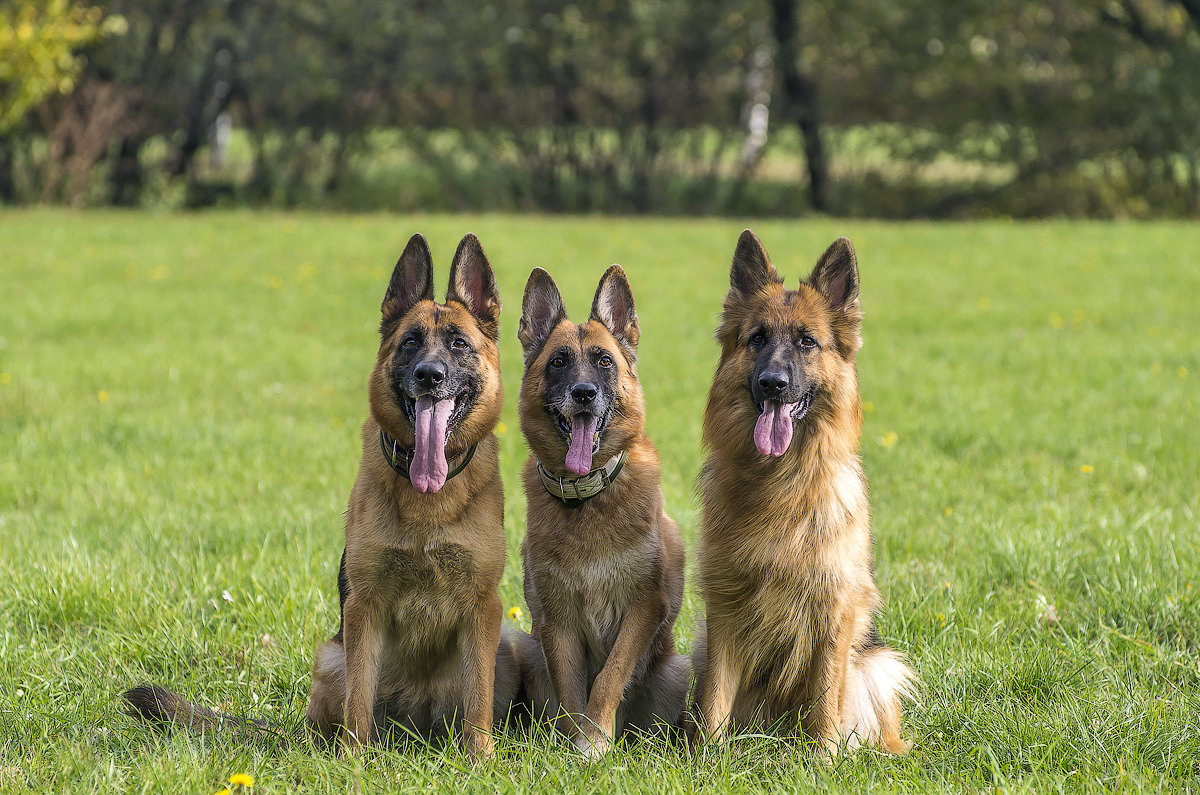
(784, 577)
(589, 587)
(600, 588)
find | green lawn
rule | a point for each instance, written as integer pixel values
(180, 399)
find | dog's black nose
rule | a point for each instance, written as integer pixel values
(430, 373)
(584, 393)
(773, 381)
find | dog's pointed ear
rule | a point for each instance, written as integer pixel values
(836, 276)
(541, 310)
(473, 285)
(411, 283)
(613, 307)
(752, 269)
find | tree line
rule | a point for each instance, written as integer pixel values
(937, 108)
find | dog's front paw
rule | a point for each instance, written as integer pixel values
(480, 745)
(828, 749)
(351, 745)
(592, 747)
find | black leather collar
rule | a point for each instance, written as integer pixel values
(399, 457)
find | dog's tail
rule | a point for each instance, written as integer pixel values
(877, 685)
(159, 706)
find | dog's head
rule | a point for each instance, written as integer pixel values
(436, 383)
(581, 402)
(787, 356)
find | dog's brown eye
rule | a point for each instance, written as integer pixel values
(758, 339)
(807, 341)
(606, 361)
(410, 343)
(558, 362)
(459, 343)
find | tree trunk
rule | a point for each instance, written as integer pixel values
(125, 182)
(800, 100)
(8, 157)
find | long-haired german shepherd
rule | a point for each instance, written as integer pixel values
(603, 561)
(420, 638)
(785, 558)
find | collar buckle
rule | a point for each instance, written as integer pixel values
(578, 490)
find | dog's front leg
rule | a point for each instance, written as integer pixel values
(479, 662)
(363, 637)
(642, 621)
(566, 666)
(721, 681)
(826, 686)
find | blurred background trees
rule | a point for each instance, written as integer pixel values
(910, 108)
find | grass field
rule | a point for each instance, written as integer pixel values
(180, 399)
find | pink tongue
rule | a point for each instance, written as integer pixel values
(773, 431)
(579, 456)
(428, 467)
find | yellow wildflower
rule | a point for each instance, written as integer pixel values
(868, 406)
(241, 780)
(889, 439)
(1181, 372)
(102, 396)
(223, 791)
(984, 302)
(1056, 320)
(1086, 469)
(514, 613)
(501, 428)
(5, 378)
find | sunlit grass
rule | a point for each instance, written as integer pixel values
(180, 398)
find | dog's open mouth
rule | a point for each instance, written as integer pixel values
(773, 430)
(461, 403)
(433, 421)
(583, 438)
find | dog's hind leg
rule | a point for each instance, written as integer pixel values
(655, 704)
(327, 698)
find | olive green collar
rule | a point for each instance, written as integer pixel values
(578, 490)
(399, 457)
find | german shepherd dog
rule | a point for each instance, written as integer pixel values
(603, 561)
(419, 643)
(785, 557)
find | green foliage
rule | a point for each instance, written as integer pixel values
(40, 42)
(1065, 107)
(180, 399)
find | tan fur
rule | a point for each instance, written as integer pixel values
(421, 641)
(785, 557)
(603, 580)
